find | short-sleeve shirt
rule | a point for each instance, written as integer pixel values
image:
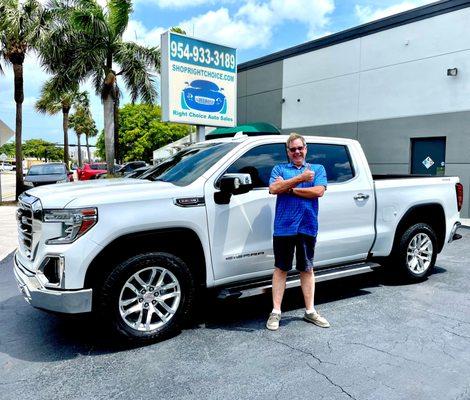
(296, 214)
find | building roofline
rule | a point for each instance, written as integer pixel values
(393, 21)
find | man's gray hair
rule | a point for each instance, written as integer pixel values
(294, 136)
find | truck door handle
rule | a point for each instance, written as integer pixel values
(361, 196)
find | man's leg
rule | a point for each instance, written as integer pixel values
(307, 282)
(305, 251)
(283, 253)
(279, 285)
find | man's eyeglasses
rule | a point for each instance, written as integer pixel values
(293, 149)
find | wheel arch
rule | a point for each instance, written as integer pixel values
(181, 242)
(429, 213)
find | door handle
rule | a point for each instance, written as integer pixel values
(361, 196)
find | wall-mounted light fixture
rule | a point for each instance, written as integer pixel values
(452, 71)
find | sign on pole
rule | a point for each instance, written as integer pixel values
(198, 81)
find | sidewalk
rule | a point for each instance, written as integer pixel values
(8, 231)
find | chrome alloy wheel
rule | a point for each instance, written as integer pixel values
(419, 253)
(149, 299)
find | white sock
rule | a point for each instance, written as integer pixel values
(276, 311)
(310, 311)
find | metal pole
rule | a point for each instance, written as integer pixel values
(200, 133)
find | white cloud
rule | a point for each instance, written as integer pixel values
(253, 24)
(367, 13)
(220, 26)
(179, 4)
(137, 32)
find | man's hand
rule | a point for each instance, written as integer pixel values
(307, 175)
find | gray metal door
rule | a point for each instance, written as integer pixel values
(428, 156)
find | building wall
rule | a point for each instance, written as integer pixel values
(387, 143)
(382, 89)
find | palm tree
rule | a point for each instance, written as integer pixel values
(95, 49)
(21, 24)
(83, 124)
(53, 101)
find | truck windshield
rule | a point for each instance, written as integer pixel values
(188, 164)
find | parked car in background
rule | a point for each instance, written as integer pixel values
(137, 172)
(45, 174)
(130, 166)
(4, 166)
(89, 171)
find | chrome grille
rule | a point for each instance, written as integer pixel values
(25, 216)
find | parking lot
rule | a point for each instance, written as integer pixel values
(388, 340)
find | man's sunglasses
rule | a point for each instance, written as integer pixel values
(293, 149)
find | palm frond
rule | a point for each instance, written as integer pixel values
(118, 16)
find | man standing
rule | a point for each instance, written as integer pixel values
(298, 185)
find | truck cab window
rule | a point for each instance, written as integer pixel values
(335, 159)
(259, 162)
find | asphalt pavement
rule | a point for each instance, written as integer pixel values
(388, 340)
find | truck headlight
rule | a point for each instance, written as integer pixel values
(75, 223)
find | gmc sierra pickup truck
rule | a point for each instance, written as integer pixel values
(139, 251)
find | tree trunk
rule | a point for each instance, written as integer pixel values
(79, 152)
(108, 106)
(65, 126)
(19, 97)
(87, 148)
(116, 130)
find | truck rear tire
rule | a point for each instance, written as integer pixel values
(147, 297)
(416, 252)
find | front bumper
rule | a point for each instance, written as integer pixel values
(63, 301)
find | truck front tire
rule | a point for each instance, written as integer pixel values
(416, 252)
(147, 297)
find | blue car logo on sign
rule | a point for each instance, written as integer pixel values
(203, 95)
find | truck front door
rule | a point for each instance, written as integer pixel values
(241, 232)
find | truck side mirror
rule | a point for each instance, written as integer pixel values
(232, 184)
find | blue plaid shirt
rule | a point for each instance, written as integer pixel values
(296, 214)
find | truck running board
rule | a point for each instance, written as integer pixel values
(264, 286)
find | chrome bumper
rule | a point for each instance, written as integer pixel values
(63, 301)
(453, 234)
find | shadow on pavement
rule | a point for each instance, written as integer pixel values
(34, 335)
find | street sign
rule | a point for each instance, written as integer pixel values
(3, 157)
(198, 81)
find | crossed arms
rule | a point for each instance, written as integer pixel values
(281, 185)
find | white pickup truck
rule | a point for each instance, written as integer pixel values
(140, 251)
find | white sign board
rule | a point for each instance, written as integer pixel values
(198, 81)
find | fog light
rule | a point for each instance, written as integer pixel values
(53, 270)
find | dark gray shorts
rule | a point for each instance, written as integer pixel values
(284, 246)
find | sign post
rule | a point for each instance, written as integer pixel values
(198, 82)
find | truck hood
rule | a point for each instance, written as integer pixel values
(102, 191)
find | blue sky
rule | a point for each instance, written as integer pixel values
(255, 28)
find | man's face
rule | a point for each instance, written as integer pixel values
(297, 152)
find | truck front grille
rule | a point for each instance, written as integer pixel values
(27, 219)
